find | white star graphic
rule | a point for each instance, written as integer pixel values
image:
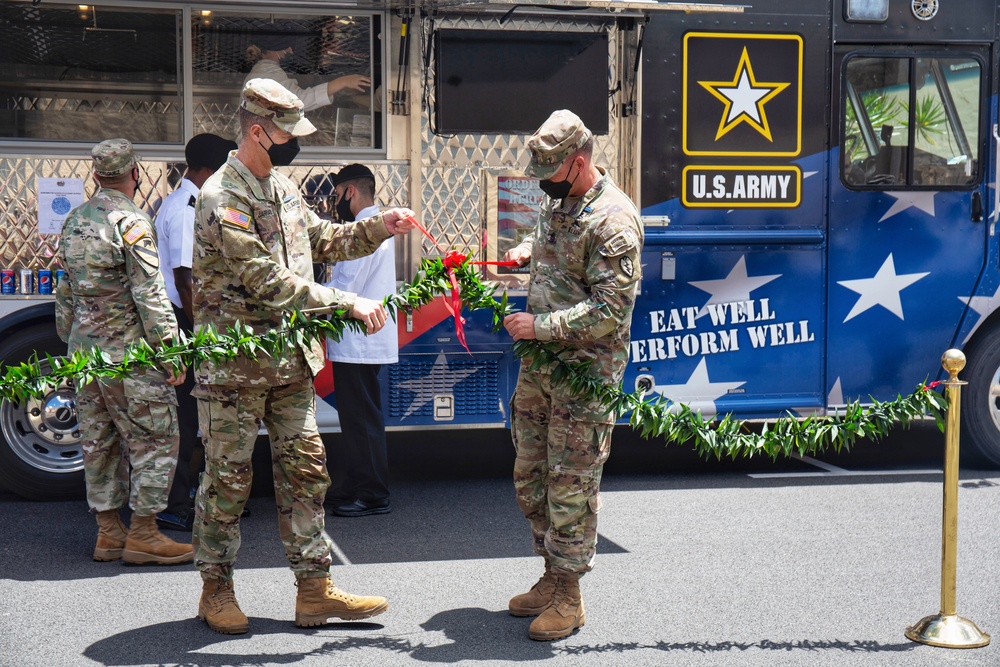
(881, 290)
(912, 199)
(836, 395)
(984, 305)
(698, 393)
(744, 98)
(734, 287)
(441, 380)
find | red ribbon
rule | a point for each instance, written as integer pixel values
(452, 260)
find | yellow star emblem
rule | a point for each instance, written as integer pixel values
(744, 98)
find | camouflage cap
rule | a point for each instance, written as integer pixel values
(269, 99)
(113, 157)
(559, 137)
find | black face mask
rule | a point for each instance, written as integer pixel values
(558, 189)
(344, 213)
(281, 154)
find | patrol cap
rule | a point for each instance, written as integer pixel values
(269, 99)
(559, 137)
(113, 157)
(352, 172)
(207, 150)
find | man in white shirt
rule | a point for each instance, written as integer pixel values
(357, 360)
(204, 154)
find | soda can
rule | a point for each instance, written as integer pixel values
(44, 281)
(60, 276)
(9, 281)
(27, 281)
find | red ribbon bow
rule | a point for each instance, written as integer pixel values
(453, 260)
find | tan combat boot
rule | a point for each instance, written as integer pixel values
(319, 599)
(111, 534)
(564, 615)
(218, 607)
(537, 600)
(146, 544)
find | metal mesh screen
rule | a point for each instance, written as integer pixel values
(453, 164)
(21, 246)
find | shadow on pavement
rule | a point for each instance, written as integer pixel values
(469, 634)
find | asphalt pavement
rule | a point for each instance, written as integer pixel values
(792, 562)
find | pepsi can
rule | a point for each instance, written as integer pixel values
(9, 283)
(44, 281)
(27, 281)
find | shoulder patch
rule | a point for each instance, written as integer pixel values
(133, 228)
(139, 240)
(236, 218)
(619, 244)
(191, 201)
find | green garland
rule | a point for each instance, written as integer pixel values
(657, 418)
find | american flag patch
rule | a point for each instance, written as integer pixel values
(134, 233)
(236, 217)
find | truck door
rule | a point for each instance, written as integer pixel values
(908, 227)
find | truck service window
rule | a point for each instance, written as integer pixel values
(494, 81)
(305, 52)
(911, 121)
(75, 72)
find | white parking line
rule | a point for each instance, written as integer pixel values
(829, 470)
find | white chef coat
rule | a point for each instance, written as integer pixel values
(175, 234)
(372, 277)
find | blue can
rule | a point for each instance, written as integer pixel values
(60, 276)
(44, 281)
(9, 281)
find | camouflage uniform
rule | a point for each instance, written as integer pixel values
(113, 295)
(255, 242)
(585, 271)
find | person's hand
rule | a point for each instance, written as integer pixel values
(521, 326)
(371, 313)
(399, 220)
(518, 254)
(357, 82)
(174, 377)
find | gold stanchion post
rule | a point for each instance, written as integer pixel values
(948, 629)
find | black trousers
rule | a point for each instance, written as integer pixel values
(361, 456)
(179, 500)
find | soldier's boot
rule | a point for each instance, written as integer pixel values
(145, 544)
(318, 599)
(538, 599)
(218, 607)
(564, 615)
(111, 534)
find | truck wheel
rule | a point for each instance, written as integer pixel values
(41, 457)
(980, 443)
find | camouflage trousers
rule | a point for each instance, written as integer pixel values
(128, 423)
(562, 444)
(229, 418)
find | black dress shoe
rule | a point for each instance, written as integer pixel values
(362, 508)
(183, 521)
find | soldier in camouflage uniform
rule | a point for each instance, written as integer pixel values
(255, 242)
(585, 272)
(113, 295)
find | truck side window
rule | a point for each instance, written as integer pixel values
(305, 54)
(76, 72)
(910, 121)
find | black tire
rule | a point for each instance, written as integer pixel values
(41, 457)
(980, 442)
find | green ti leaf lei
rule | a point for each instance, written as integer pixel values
(674, 422)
